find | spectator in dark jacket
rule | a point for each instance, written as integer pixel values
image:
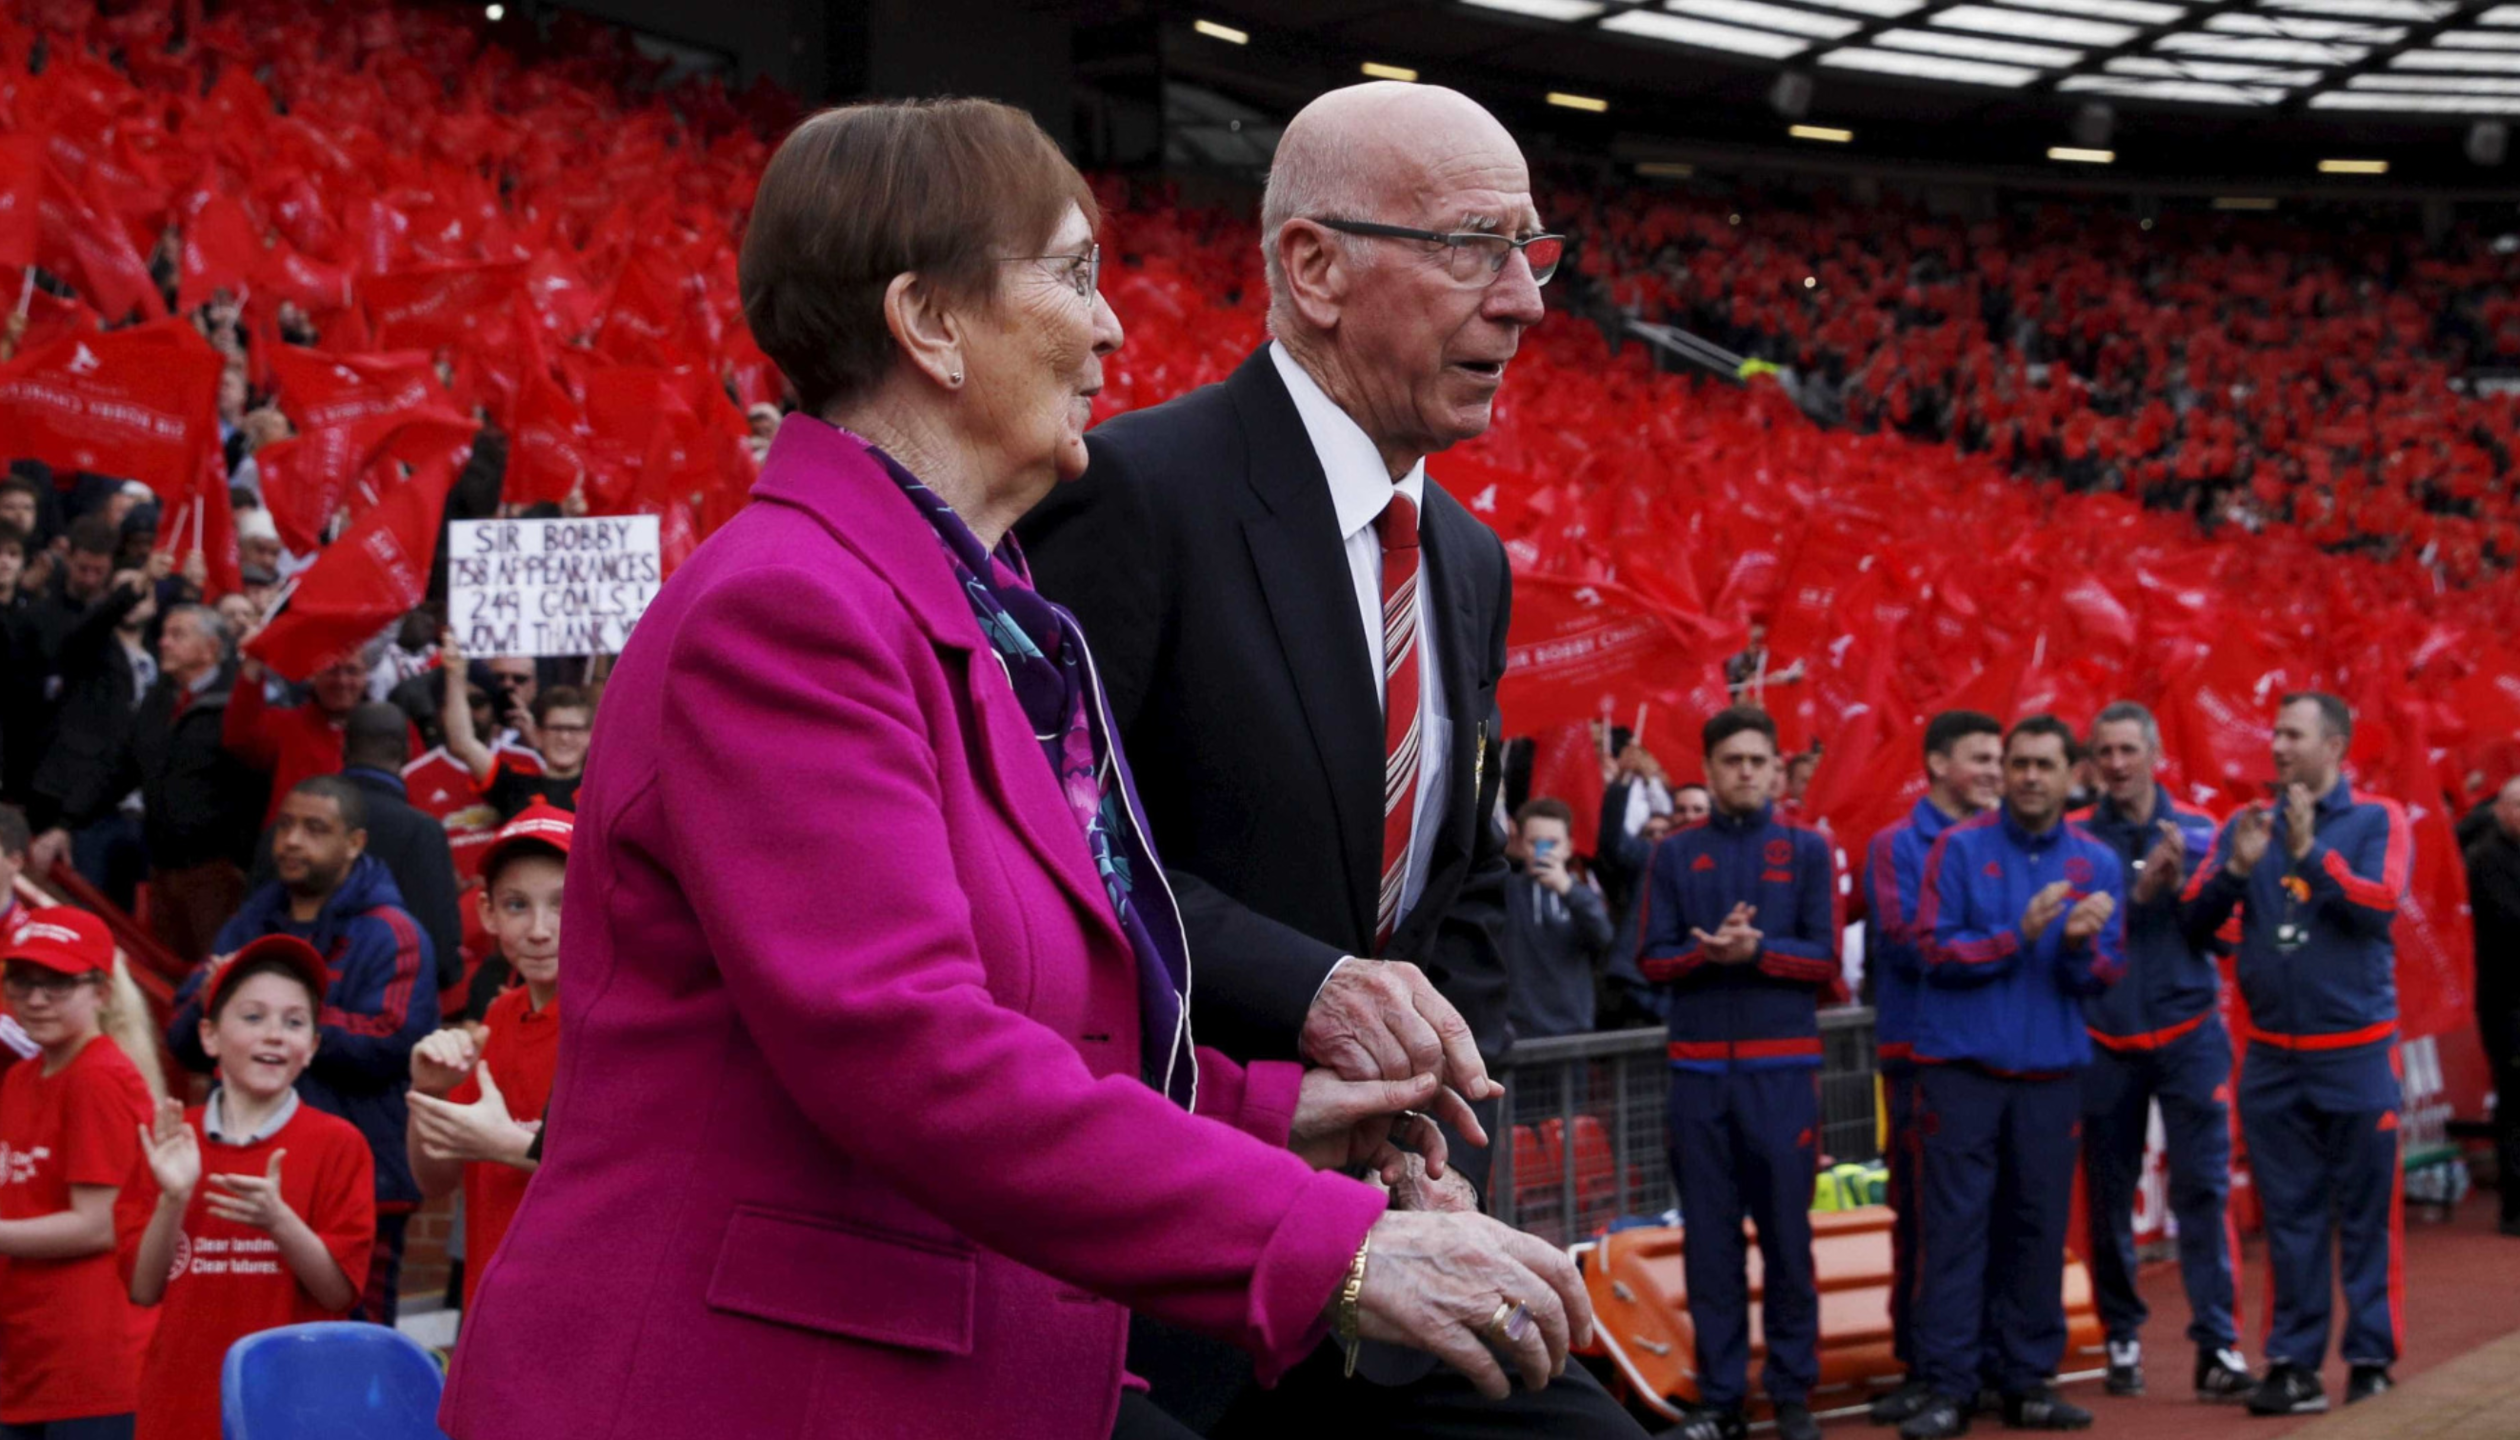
(376, 745)
(21, 665)
(1557, 928)
(103, 667)
(336, 897)
(2493, 865)
(197, 801)
(30, 690)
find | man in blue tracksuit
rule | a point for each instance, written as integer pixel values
(2019, 919)
(1739, 928)
(2160, 1037)
(2317, 876)
(1964, 771)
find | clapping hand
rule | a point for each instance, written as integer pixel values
(2044, 907)
(2088, 916)
(2251, 829)
(482, 1132)
(173, 1152)
(2301, 819)
(1736, 941)
(250, 1199)
(441, 1060)
(2165, 866)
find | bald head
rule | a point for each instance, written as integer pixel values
(1408, 335)
(1382, 151)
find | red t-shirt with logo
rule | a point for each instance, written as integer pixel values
(70, 1338)
(229, 1280)
(524, 1052)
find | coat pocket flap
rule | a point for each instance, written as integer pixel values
(824, 1274)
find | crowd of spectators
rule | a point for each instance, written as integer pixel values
(2303, 367)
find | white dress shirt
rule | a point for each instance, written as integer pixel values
(1360, 489)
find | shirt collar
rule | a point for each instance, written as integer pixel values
(214, 1123)
(2022, 836)
(208, 681)
(1360, 488)
(1757, 819)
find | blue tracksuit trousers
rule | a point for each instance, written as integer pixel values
(1745, 1145)
(2191, 1077)
(1996, 1184)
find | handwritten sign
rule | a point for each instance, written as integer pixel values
(551, 587)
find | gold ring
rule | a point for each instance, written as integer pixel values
(1511, 1320)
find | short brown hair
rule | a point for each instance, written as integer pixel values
(861, 194)
(1545, 807)
(561, 697)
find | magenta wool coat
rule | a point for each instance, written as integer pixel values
(847, 1136)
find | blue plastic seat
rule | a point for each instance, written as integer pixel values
(327, 1382)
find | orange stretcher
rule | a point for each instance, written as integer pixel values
(1641, 1312)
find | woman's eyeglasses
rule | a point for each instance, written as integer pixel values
(1475, 257)
(1080, 273)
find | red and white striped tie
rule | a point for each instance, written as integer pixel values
(1397, 527)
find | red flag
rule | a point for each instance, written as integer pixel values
(141, 403)
(1566, 765)
(1577, 649)
(21, 199)
(438, 304)
(379, 568)
(93, 253)
(221, 248)
(549, 456)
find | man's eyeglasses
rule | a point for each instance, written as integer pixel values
(1080, 273)
(51, 984)
(1473, 256)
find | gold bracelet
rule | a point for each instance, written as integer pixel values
(1348, 1294)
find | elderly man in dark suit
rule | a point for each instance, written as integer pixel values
(1303, 649)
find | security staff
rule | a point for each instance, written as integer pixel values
(2160, 1037)
(1964, 771)
(1739, 927)
(2318, 876)
(2018, 921)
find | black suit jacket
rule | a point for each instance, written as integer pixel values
(414, 851)
(1202, 556)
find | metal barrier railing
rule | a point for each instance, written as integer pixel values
(1585, 1144)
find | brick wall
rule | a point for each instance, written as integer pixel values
(424, 1250)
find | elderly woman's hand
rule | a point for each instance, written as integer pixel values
(1339, 1123)
(1440, 1282)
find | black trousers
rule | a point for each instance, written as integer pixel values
(2499, 1026)
(1314, 1399)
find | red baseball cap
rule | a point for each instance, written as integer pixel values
(63, 938)
(539, 825)
(289, 950)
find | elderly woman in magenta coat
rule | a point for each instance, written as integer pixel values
(876, 1107)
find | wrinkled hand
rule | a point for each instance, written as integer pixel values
(2089, 915)
(2301, 819)
(1736, 941)
(1433, 1281)
(1384, 1020)
(2251, 829)
(2165, 865)
(482, 1131)
(442, 1059)
(173, 1153)
(250, 1199)
(2043, 909)
(1340, 1123)
(1415, 1187)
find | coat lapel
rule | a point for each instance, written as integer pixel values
(827, 472)
(1301, 559)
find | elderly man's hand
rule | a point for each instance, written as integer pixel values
(1339, 1123)
(1415, 1188)
(1383, 1020)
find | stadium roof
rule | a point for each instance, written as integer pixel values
(2386, 56)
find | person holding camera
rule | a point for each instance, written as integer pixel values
(1557, 926)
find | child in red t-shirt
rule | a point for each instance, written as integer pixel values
(263, 1243)
(71, 1187)
(477, 1101)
